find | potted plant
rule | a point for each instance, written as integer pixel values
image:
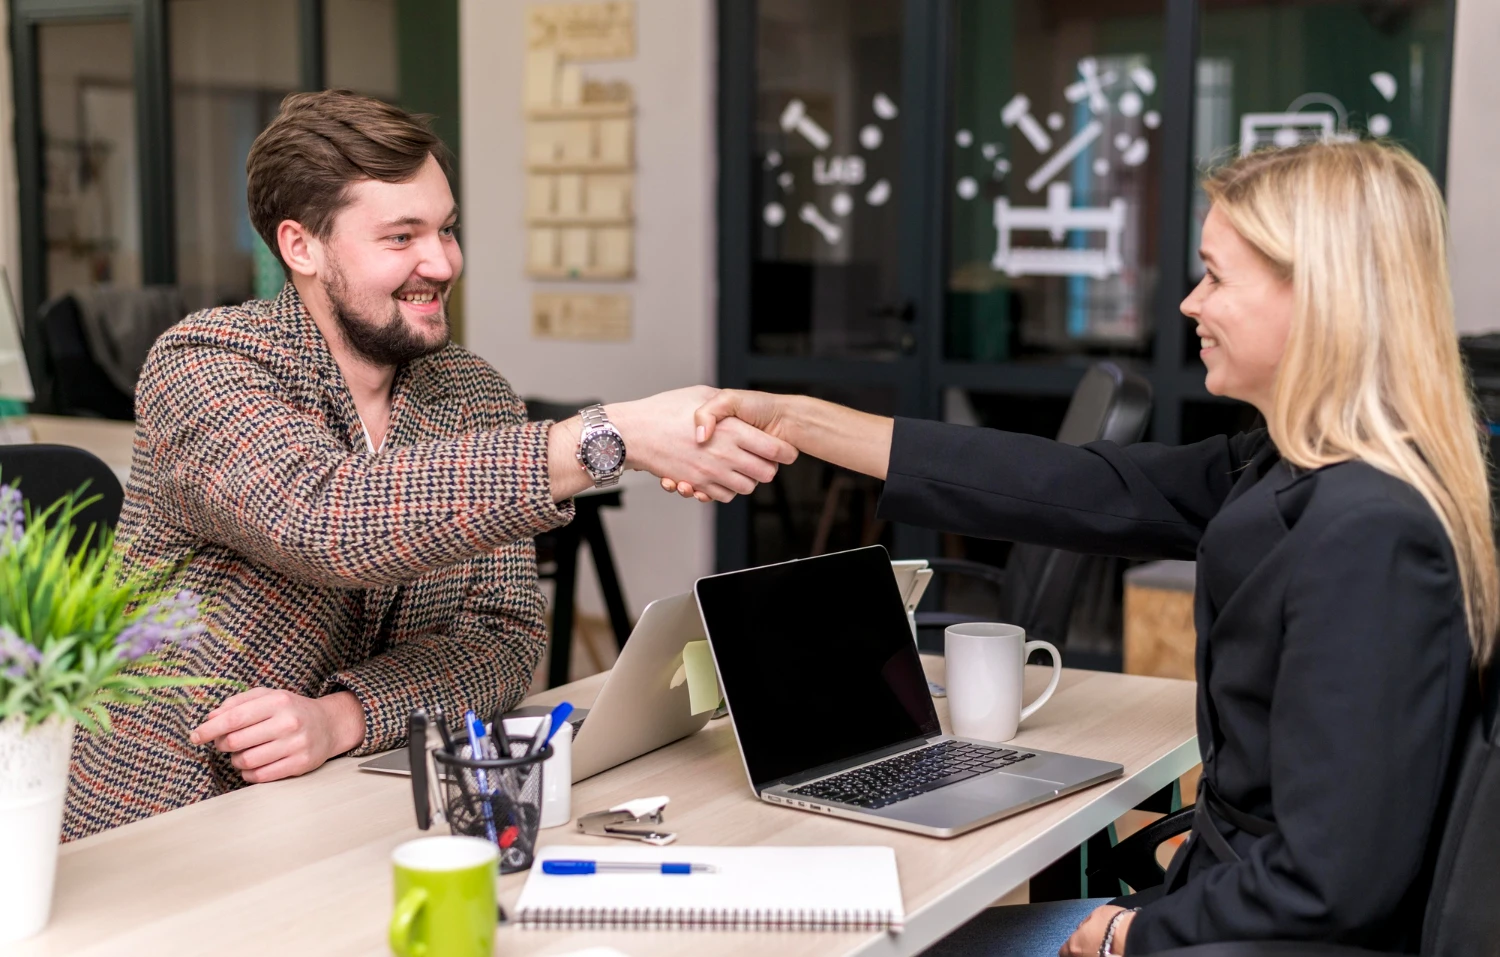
(76, 633)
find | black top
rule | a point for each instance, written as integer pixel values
(1332, 657)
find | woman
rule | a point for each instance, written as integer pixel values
(1346, 572)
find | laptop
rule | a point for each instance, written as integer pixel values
(832, 712)
(637, 710)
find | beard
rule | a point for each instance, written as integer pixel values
(388, 340)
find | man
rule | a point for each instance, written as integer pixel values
(353, 495)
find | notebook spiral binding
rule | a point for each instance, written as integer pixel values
(723, 918)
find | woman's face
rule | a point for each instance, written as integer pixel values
(1243, 311)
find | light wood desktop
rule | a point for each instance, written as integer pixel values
(112, 441)
(303, 865)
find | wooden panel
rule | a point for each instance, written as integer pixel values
(615, 144)
(583, 31)
(600, 317)
(542, 250)
(1160, 638)
(614, 252)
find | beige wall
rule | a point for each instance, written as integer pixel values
(1474, 166)
(661, 542)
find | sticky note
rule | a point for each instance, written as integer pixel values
(702, 679)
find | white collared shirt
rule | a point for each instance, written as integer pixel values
(369, 444)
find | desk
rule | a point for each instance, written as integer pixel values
(303, 866)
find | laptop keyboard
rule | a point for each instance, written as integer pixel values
(912, 773)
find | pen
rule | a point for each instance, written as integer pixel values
(570, 868)
(549, 727)
(442, 725)
(478, 752)
(416, 739)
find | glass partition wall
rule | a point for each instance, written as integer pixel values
(949, 208)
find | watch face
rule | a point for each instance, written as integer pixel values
(603, 452)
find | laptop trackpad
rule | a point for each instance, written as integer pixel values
(959, 804)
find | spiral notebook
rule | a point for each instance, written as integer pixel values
(752, 888)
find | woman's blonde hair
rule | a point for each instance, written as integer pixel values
(1372, 369)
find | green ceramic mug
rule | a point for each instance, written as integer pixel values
(445, 897)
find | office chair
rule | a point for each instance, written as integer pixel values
(68, 380)
(1038, 587)
(1460, 917)
(46, 473)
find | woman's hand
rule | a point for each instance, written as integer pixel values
(1089, 936)
(761, 410)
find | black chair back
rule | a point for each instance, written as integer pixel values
(1110, 405)
(1039, 586)
(1462, 917)
(68, 379)
(45, 473)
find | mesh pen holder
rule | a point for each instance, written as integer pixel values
(496, 799)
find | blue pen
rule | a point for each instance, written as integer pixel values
(479, 752)
(548, 728)
(572, 868)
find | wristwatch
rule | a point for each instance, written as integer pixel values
(601, 448)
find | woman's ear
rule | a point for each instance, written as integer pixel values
(300, 250)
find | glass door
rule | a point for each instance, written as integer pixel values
(825, 293)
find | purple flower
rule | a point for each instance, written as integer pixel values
(172, 621)
(17, 655)
(12, 516)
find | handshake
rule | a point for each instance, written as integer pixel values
(678, 437)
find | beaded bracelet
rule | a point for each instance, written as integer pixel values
(1109, 933)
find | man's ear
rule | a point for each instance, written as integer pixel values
(300, 249)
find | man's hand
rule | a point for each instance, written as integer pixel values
(277, 734)
(1089, 936)
(661, 438)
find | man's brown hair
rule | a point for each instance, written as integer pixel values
(302, 165)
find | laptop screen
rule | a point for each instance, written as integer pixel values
(817, 661)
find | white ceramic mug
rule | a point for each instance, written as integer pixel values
(986, 668)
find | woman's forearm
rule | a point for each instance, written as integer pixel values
(837, 434)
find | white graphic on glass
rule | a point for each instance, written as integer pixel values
(1093, 85)
(1064, 156)
(879, 193)
(967, 188)
(1054, 121)
(1386, 84)
(795, 117)
(1058, 218)
(963, 138)
(785, 181)
(870, 136)
(1002, 166)
(884, 108)
(1283, 129)
(831, 232)
(1136, 153)
(1143, 78)
(774, 214)
(773, 159)
(1380, 124)
(1101, 167)
(1131, 103)
(989, 151)
(838, 170)
(1152, 119)
(1017, 112)
(1122, 141)
(841, 204)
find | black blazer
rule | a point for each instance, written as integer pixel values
(1332, 658)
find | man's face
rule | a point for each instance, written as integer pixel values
(390, 264)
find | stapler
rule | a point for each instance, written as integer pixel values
(611, 823)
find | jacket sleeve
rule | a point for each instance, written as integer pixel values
(1138, 501)
(484, 659)
(1360, 733)
(243, 466)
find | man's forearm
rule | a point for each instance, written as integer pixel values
(567, 477)
(846, 437)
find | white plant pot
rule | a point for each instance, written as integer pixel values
(33, 783)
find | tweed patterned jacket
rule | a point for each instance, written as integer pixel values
(406, 577)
